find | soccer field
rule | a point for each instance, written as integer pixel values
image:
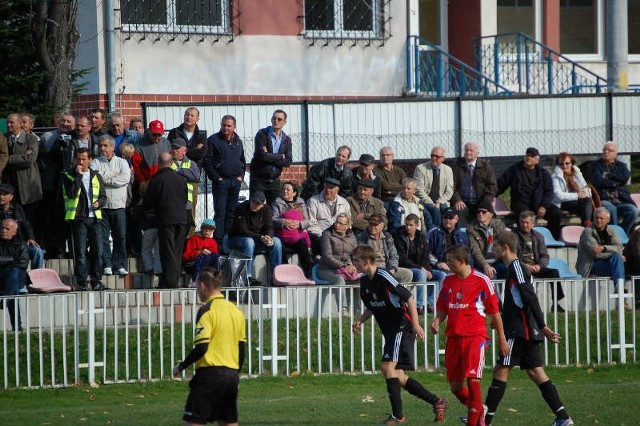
(608, 395)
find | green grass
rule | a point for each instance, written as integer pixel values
(602, 395)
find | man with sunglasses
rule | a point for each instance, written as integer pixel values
(481, 236)
(272, 152)
(532, 190)
(434, 187)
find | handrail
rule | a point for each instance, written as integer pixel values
(547, 55)
(413, 48)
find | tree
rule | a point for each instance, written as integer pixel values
(55, 36)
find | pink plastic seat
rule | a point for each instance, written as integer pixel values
(636, 199)
(284, 275)
(46, 280)
(501, 208)
(570, 234)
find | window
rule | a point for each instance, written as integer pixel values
(634, 26)
(345, 19)
(176, 16)
(516, 16)
(578, 26)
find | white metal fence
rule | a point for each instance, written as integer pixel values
(135, 336)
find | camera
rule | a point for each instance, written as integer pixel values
(64, 140)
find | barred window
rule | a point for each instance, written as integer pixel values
(346, 19)
(176, 16)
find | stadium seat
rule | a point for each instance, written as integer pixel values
(636, 199)
(315, 277)
(570, 234)
(46, 280)
(501, 208)
(549, 241)
(562, 268)
(624, 239)
(284, 275)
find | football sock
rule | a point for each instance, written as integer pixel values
(550, 394)
(394, 389)
(475, 402)
(494, 396)
(462, 395)
(415, 388)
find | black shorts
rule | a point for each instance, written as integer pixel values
(398, 348)
(213, 396)
(524, 354)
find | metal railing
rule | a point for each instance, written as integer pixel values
(137, 336)
(525, 65)
(432, 71)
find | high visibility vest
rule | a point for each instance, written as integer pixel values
(186, 164)
(71, 204)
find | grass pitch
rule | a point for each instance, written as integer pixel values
(606, 395)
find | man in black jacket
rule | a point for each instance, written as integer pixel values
(166, 196)
(13, 265)
(190, 132)
(531, 189)
(525, 329)
(225, 166)
(272, 152)
(252, 231)
(330, 168)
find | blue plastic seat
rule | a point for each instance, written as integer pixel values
(562, 268)
(549, 241)
(624, 239)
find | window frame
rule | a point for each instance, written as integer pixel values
(172, 27)
(376, 33)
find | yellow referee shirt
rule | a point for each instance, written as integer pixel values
(222, 326)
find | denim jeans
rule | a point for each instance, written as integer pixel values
(36, 255)
(150, 252)
(225, 201)
(611, 267)
(87, 230)
(628, 212)
(11, 280)
(114, 222)
(420, 276)
(249, 246)
(433, 214)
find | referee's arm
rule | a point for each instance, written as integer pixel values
(196, 353)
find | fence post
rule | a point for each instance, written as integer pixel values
(620, 297)
(274, 306)
(91, 337)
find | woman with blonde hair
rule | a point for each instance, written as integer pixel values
(571, 192)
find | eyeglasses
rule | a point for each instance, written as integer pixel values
(483, 211)
(566, 163)
(277, 119)
(437, 156)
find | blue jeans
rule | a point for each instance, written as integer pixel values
(114, 222)
(611, 267)
(249, 246)
(225, 201)
(420, 276)
(433, 214)
(87, 230)
(11, 280)
(36, 254)
(628, 212)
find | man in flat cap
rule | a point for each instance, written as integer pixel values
(335, 168)
(363, 204)
(481, 233)
(531, 189)
(365, 172)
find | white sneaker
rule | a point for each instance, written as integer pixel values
(122, 272)
(107, 271)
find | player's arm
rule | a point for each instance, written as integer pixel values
(363, 318)
(503, 346)
(242, 345)
(439, 318)
(530, 299)
(415, 319)
(196, 353)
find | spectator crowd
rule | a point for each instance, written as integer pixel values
(99, 192)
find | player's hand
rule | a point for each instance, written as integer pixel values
(435, 326)
(419, 331)
(551, 335)
(489, 271)
(355, 328)
(176, 370)
(503, 347)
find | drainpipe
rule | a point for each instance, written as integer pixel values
(617, 46)
(110, 57)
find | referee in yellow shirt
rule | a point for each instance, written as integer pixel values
(218, 352)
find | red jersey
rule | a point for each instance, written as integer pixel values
(467, 302)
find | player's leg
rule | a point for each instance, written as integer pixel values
(474, 405)
(454, 364)
(394, 389)
(416, 388)
(496, 391)
(550, 394)
(473, 350)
